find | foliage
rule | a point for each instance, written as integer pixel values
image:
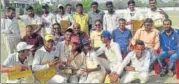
(86, 4)
(37, 8)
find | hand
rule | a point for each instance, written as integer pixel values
(86, 70)
(113, 77)
(53, 63)
(170, 52)
(128, 68)
(21, 67)
(161, 11)
(155, 52)
(70, 59)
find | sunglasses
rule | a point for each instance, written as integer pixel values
(56, 28)
(147, 24)
(98, 24)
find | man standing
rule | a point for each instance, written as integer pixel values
(132, 13)
(81, 18)
(157, 15)
(47, 19)
(62, 16)
(18, 61)
(10, 30)
(140, 61)
(110, 19)
(169, 43)
(46, 63)
(150, 37)
(122, 36)
(95, 14)
(112, 52)
(68, 9)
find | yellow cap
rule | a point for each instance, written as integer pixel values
(49, 37)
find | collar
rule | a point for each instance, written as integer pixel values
(17, 57)
(79, 14)
(43, 49)
(164, 32)
(130, 10)
(143, 29)
(143, 55)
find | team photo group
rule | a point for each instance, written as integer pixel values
(89, 47)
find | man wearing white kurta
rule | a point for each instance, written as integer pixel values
(110, 19)
(47, 19)
(63, 16)
(112, 52)
(139, 67)
(44, 60)
(20, 60)
(92, 69)
(157, 15)
(10, 31)
(132, 13)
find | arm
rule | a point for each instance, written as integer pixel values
(157, 42)
(124, 63)
(136, 37)
(71, 20)
(100, 51)
(162, 45)
(7, 69)
(104, 23)
(36, 65)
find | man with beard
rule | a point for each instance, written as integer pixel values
(168, 45)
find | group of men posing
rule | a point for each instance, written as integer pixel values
(95, 44)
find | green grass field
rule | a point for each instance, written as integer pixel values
(173, 16)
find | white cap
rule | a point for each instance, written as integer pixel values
(23, 46)
(60, 5)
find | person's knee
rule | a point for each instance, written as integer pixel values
(162, 55)
(144, 77)
(174, 57)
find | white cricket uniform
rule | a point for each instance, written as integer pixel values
(49, 22)
(12, 60)
(110, 22)
(133, 15)
(11, 34)
(92, 62)
(114, 57)
(141, 67)
(41, 57)
(67, 17)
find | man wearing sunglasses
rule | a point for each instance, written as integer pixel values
(150, 36)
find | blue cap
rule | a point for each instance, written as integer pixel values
(106, 34)
(85, 42)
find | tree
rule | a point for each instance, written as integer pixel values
(37, 8)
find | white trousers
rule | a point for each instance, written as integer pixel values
(131, 76)
(11, 43)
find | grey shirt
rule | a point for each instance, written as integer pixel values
(93, 16)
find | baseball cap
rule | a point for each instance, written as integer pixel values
(49, 37)
(106, 34)
(85, 42)
(23, 46)
(75, 39)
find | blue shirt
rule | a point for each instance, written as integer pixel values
(122, 38)
(169, 42)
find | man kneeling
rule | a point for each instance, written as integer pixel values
(140, 60)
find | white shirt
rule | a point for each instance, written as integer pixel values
(28, 20)
(113, 54)
(133, 15)
(10, 28)
(140, 65)
(156, 16)
(41, 58)
(110, 22)
(49, 22)
(68, 17)
(12, 60)
(62, 52)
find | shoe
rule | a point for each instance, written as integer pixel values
(162, 74)
(170, 73)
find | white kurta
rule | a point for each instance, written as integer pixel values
(40, 59)
(11, 34)
(28, 20)
(12, 60)
(67, 17)
(110, 22)
(141, 67)
(156, 16)
(92, 62)
(133, 15)
(48, 20)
